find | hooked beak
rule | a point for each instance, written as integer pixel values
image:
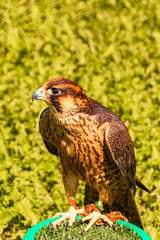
(38, 94)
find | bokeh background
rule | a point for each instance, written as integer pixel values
(111, 49)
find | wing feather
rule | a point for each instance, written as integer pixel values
(119, 148)
(46, 133)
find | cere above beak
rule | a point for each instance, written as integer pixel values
(38, 94)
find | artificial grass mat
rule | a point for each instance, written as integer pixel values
(96, 232)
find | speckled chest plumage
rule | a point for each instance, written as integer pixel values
(80, 145)
(79, 141)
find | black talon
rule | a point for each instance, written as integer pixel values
(51, 227)
(114, 227)
(78, 221)
(82, 231)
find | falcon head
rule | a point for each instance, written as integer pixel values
(63, 95)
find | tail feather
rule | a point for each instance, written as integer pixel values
(125, 203)
(130, 210)
(139, 184)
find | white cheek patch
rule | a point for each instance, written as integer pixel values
(68, 103)
(50, 91)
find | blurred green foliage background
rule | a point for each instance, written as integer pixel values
(112, 49)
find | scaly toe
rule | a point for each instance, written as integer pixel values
(94, 216)
(58, 222)
(71, 215)
(82, 231)
(90, 216)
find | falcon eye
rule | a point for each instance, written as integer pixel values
(54, 91)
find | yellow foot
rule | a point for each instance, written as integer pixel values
(94, 216)
(71, 215)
